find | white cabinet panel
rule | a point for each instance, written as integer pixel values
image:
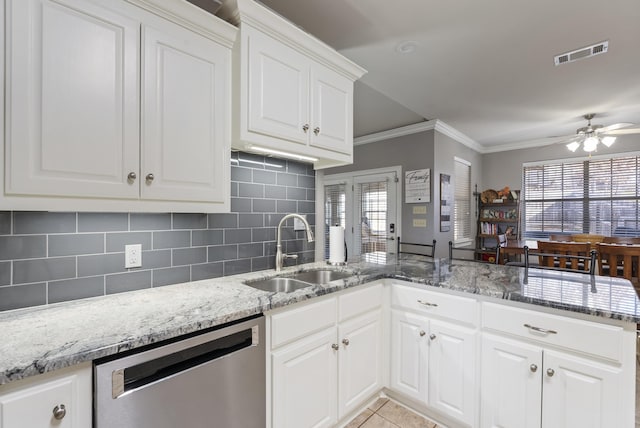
(184, 140)
(72, 98)
(580, 393)
(332, 111)
(304, 383)
(360, 361)
(409, 355)
(452, 370)
(278, 89)
(511, 388)
(31, 402)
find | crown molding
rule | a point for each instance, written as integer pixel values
(415, 128)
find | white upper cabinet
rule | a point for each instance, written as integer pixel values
(295, 94)
(72, 100)
(185, 150)
(111, 107)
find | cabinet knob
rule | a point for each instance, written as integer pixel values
(550, 372)
(432, 336)
(316, 130)
(132, 176)
(335, 347)
(149, 177)
(305, 127)
(533, 368)
(59, 411)
(345, 342)
(422, 333)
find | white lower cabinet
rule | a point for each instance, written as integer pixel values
(60, 399)
(324, 373)
(433, 362)
(550, 372)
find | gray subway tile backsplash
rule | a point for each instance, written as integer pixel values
(103, 222)
(22, 247)
(50, 257)
(71, 245)
(27, 222)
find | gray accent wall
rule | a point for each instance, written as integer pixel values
(50, 257)
(428, 149)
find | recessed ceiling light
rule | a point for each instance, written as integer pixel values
(407, 47)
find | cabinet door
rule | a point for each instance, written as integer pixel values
(409, 355)
(332, 111)
(511, 387)
(185, 138)
(580, 393)
(304, 383)
(278, 90)
(452, 360)
(359, 361)
(72, 100)
(33, 404)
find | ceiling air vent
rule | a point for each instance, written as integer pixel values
(589, 51)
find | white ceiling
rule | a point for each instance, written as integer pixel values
(484, 67)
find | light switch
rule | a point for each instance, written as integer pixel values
(419, 222)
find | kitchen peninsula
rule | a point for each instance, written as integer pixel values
(567, 319)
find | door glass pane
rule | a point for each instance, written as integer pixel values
(372, 204)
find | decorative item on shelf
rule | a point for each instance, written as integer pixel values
(509, 231)
(488, 196)
(505, 193)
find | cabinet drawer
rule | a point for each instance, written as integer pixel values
(299, 322)
(585, 336)
(427, 302)
(359, 301)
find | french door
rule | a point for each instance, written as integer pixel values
(365, 204)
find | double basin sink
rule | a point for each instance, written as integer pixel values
(289, 283)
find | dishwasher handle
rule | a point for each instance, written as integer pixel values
(138, 375)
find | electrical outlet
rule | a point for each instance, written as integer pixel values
(132, 256)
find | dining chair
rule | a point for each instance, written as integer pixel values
(587, 237)
(628, 240)
(489, 255)
(571, 256)
(413, 248)
(618, 260)
(560, 238)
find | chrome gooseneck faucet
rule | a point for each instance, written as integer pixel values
(279, 255)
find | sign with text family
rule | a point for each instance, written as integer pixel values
(417, 186)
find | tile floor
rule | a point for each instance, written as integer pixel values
(385, 413)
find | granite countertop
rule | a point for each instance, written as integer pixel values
(45, 338)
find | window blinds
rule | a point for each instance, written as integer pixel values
(462, 200)
(598, 196)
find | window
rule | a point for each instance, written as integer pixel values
(596, 195)
(462, 201)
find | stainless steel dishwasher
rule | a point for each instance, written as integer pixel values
(212, 380)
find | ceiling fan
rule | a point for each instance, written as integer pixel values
(591, 135)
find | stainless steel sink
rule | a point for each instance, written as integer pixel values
(278, 284)
(290, 283)
(321, 276)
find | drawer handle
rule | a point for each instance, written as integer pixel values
(422, 302)
(59, 411)
(540, 329)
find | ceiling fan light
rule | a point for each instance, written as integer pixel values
(573, 146)
(608, 141)
(590, 144)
